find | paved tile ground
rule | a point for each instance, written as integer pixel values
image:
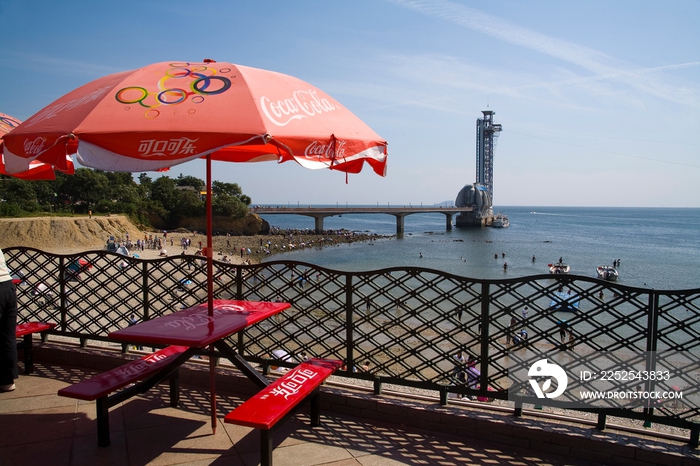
(39, 427)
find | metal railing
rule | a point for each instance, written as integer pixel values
(403, 324)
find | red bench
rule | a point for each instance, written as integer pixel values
(150, 369)
(276, 401)
(26, 330)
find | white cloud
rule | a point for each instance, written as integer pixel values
(650, 81)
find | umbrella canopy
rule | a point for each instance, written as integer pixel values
(35, 170)
(168, 113)
(7, 124)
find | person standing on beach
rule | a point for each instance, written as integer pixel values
(511, 329)
(563, 327)
(459, 362)
(8, 326)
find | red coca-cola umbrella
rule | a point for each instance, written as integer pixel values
(36, 170)
(168, 113)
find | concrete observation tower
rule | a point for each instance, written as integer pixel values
(479, 195)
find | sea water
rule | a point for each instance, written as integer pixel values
(657, 248)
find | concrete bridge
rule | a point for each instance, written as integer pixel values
(320, 213)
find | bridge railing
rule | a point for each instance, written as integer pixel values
(397, 325)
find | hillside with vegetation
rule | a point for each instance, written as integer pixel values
(164, 203)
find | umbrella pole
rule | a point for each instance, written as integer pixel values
(212, 388)
(210, 297)
(210, 253)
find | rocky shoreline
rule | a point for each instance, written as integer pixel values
(254, 248)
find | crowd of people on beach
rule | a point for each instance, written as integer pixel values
(278, 240)
(149, 242)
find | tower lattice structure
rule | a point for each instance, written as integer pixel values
(486, 136)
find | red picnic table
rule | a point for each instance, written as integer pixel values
(195, 328)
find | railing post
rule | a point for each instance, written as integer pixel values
(144, 292)
(62, 292)
(518, 411)
(484, 338)
(239, 282)
(694, 435)
(377, 386)
(602, 419)
(652, 337)
(443, 395)
(349, 324)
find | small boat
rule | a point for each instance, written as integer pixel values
(607, 272)
(564, 301)
(559, 267)
(501, 221)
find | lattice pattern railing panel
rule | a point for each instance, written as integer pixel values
(408, 323)
(578, 323)
(315, 324)
(677, 343)
(39, 294)
(404, 323)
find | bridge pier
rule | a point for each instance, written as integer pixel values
(318, 224)
(448, 219)
(400, 223)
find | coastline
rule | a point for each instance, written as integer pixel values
(252, 249)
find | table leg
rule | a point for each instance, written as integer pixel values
(28, 354)
(241, 364)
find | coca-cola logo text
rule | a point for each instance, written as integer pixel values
(201, 317)
(300, 105)
(34, 147)
(167, 147)
(328, 151)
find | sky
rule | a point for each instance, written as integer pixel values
(599, 100)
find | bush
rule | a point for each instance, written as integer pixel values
(9, 210)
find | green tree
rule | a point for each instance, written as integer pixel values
(193, 181)
(85, 189)
(189, 204)
(8, 187)
(228, 206)
(220, 188)
(145, 183)
(163, 199)
(20, 193)
(163, 191)
(45, 193)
